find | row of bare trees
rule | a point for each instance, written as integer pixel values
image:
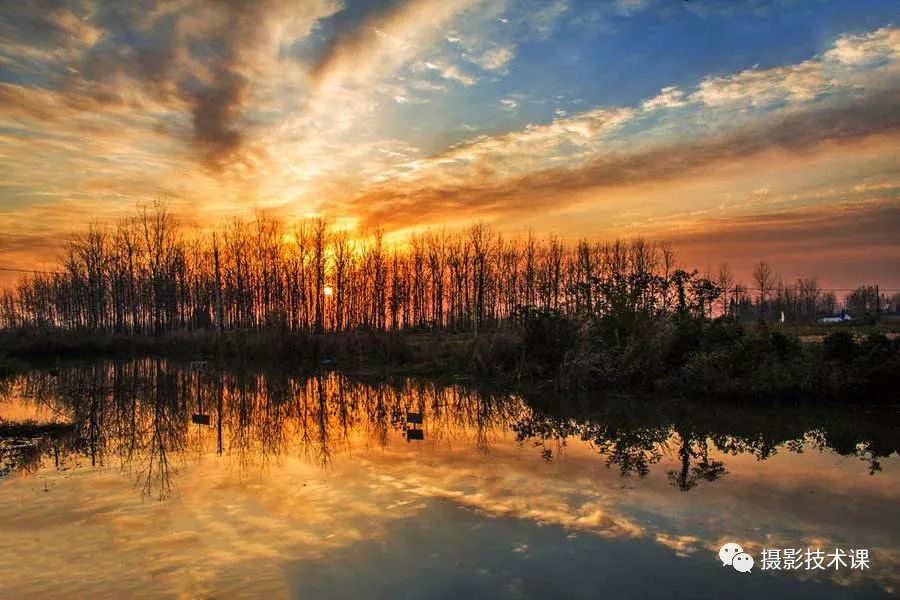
(802, 301)
(149, 275)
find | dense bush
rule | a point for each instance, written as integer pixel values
(774, 365)
(720, 358)
(761, 363)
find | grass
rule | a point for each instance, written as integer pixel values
(424, 351)
(816, 332)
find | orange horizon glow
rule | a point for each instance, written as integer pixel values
(433, 115)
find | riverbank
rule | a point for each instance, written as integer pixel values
(716, 359)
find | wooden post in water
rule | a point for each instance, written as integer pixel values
(218, 275)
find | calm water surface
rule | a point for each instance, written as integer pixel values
(203, 483)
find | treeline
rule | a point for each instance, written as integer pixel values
(802, 301)
(147, 275)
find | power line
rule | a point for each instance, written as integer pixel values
(17, 270)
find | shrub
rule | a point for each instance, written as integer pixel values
(839, 345)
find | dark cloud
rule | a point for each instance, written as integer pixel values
(199, 53)
(215, 112)
(40, 22)
(795, 132)
(164, 57)
(349, 30)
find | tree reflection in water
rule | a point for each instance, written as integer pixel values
(633, 434)
(138, 414)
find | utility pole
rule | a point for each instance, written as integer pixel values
(877, 303)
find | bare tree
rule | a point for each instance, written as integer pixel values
(765, 281)
(725, 281)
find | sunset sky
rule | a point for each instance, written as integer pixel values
(738, 130)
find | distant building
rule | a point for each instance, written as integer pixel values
(841, 318)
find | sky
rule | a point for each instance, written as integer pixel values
(738, 130)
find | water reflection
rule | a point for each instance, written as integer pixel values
(279, 466)
(635, 434)
(140, 413)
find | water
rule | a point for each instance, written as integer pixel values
(311, 486)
